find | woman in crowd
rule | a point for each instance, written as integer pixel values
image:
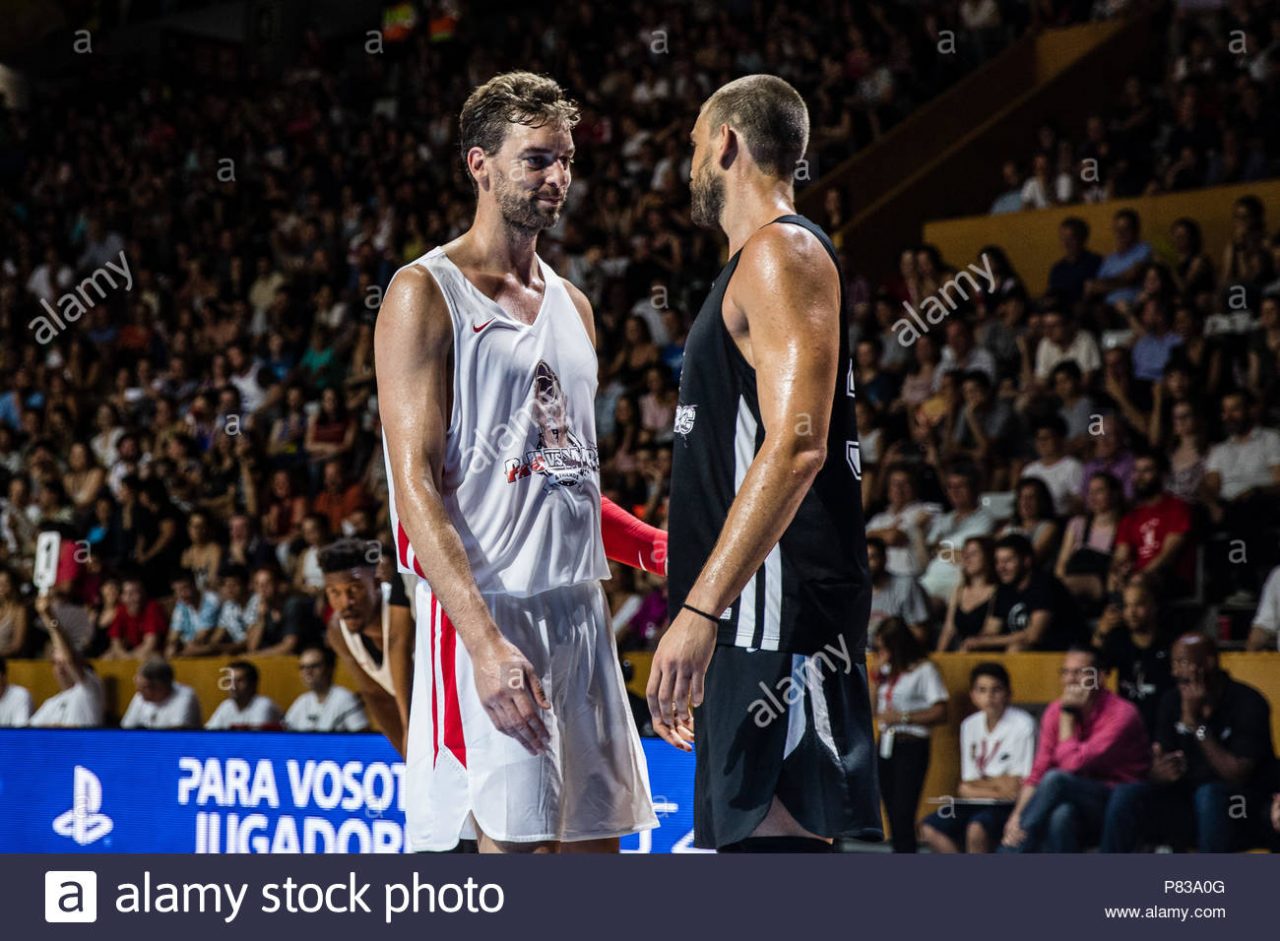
(1085, 558)
(910, 700)
(1034, 518)
(971, 600)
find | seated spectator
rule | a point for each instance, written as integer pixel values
(901, 524)
(1154, 536)
(971, 600)
(1108, 452)
(244, 708)
(193, 618)
(1264, 634)
(337, 499)
(984, 430)
(159, 702)
(80, 703)
(13, 617)
(1154, 340)
(997, 747)
(1210, 779)
(949, 530)
(1120, 274)
(15, 701)
(1031, 610)
(244, 545)
(1075, 269)
(138, 628)
(272, 620)
(1090, 741)
(1188, 452)
(1130, 639)
(962, 354)
(1241, 487)
(324, 707)
(1033, 517)
(1075, 406)
(1084, 561)
(307, 576)
(1065, 342)
(876, 386)
(231, 632)
(910, 699)
(1011, 199)
(1063, 473)
(894, 596)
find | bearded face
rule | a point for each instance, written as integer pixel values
(706, 192)
(526, 202)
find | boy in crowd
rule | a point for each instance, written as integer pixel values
(997, 747)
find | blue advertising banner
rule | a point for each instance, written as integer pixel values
(69, 791)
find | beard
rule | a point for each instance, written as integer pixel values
(525, 210)
(1148, 490)
(706, 193)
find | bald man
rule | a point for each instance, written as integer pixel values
(1211, 765)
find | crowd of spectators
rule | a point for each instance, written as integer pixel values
(1206, 121)
(1045, 446)
(192, 265)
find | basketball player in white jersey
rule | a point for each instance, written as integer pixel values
(520, 734)
(375, 645)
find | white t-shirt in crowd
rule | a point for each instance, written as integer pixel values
(1083, 349)
(1009, 748)
(79, 707)
(913, 691)
(901, 560)
(1247, 464)
(1267, 617)
(180, 711)
(948, 531)
(15, 707)
(260, 711)
(1064, 478)
(341, 711)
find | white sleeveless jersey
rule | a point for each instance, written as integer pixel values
(521, 479)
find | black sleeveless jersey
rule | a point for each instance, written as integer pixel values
(814, 586)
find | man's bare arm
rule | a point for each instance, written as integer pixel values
(413, 341)
(788, 289)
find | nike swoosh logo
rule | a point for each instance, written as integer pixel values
(479, 327)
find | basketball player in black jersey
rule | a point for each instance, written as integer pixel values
(769, 588)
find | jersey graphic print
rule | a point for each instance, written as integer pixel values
(685, 415)
(559, 455)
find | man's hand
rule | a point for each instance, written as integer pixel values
(512, 694)
(1165, 769)
(1194, 699)
(675, 679)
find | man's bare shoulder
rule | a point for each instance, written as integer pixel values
(783, 256)
(583, 305)
(413, 313)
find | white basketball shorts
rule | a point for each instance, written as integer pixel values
(461, 773)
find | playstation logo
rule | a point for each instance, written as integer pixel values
(83, 822)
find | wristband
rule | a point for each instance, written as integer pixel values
(688, 607)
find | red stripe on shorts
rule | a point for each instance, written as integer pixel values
(435, 717)
(402, 545)
(453, 737)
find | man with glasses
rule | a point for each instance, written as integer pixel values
(324, 707)
(1090, 741)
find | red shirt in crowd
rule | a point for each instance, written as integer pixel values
(1146, 528)
(131, 629)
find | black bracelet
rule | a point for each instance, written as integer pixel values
(689, 607)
